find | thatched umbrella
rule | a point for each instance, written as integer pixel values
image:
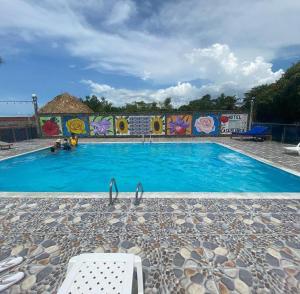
(65, 103)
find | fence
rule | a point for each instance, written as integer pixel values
(285, 133)
(133, 125)
(14, 134)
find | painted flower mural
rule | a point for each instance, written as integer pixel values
(158, 125)
(122, 125)
(76, 126)
(101, 125)
(179, 125)
(206, 124)
(51, 126)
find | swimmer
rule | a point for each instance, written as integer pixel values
(66, 145)
(73, 140)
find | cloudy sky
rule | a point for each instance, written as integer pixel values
(130, 50)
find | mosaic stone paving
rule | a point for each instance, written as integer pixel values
(186, 245)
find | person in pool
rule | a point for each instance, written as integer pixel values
(73, 140)
(66, 145)
(56, 146)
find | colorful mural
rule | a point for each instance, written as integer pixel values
(139, 125)
(122, 125)
(51, 126)
(179, 125)
(101, 125)
(158, 125)
(206, 125)
(78, 125)
(233, 123)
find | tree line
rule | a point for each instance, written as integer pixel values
(277, 102)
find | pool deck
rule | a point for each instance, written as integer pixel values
(188, 245)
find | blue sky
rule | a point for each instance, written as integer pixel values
(130, 50)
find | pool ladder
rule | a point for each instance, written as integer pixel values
(113, 184)
(144, 138)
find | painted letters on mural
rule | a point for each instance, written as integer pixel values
(158, 125)
(233, 123)
(76, 125)
(101, 125)
(51, 126)
(179, 125)
(206, 125)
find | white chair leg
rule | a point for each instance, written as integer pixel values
(139, 271)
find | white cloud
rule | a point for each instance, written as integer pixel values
(121, 11)
(228, 43)
(216, 63)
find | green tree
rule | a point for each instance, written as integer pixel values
(277, 102)
(98, 105)
(166, 104)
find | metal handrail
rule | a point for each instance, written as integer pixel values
(150, 139)
(139, 188)
(111, 184)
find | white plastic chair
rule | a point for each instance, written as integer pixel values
(102, 273)
(293, 149)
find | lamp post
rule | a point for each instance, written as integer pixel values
(35, 106)
(251, 112)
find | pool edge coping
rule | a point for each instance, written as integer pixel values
(265, 161)
(155, 195)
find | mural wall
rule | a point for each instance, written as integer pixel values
(158, 125)
(101, 125)
(139, 125)
(233, 122)
(206, 124)
(198, 124)
(122, 125)
(78, 125)
(51, 126)
(179, 125)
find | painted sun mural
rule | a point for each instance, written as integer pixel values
(51, 126)
(101, 125)
(179, 125)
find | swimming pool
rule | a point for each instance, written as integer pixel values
(161, 167)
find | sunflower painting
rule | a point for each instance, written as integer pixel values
(179, 125)
(122, 125)
(101, 125)
(158, 125)
(77, 125)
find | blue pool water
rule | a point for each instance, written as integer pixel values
(175, 167)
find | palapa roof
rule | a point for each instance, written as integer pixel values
(65, 103)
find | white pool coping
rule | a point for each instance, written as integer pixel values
(156, 195)
(171, 195)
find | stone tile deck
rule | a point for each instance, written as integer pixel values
(187, 245)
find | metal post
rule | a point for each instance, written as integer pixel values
(35, 106)
(251, 113)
